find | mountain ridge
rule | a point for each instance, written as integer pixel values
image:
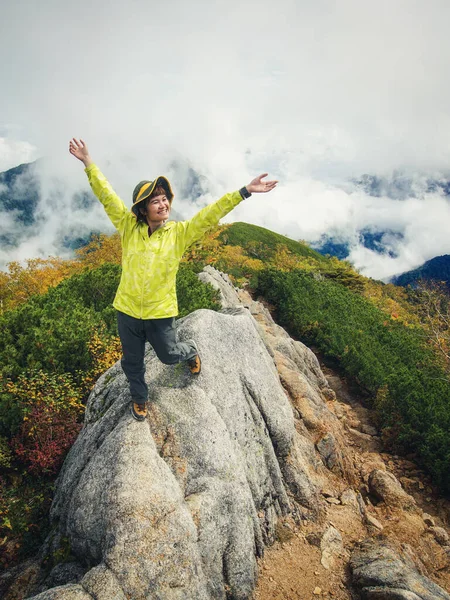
(436, 269)
(49, 343)
(320, 455)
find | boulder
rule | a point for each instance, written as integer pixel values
(380, 573)
(331, 546)
(221, 282)
(329, 451)
(440, 535)
(428, 520)
(348, 498)
(69, 592)
(386, 487)
(181, 505)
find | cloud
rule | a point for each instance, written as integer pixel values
(59, 213)
(315, 93)
(15, 152)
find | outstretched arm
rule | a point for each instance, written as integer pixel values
(114, 207)
(196, 227)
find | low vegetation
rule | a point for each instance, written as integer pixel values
(59, 335)
(53, 348)
(389, 361)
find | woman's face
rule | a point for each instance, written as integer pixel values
(157, 209)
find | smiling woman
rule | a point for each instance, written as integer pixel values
(152, 247)
(152, 201)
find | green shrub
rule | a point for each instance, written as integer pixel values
(5, 453)
(50, 348)
(24, 507)
(52, 332)
(388, 360)
(193, 294)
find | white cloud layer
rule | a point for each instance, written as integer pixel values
(15, 152)
(313, 92)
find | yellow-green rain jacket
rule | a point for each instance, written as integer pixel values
(147, 288)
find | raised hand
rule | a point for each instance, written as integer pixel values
(79, 149)
(257, 186)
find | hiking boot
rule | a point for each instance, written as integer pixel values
(195, 364)
(139, 411)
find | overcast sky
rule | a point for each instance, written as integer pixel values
(314, 92)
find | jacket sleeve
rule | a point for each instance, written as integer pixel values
(195, 228)
(114, 206)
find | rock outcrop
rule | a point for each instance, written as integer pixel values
(182, 505)
(379, 572)
(254, 449)
(386, 487)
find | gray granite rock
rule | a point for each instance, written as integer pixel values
(331, 546)
(66, 592)
(63, 574)
(221, 282)
(275, 337)
(379, 572)
(348, 498)
(181, 505)
(428, 519)
(100, 582)
(329, 450)
(375, 593)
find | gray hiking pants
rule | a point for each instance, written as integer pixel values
(162, 336)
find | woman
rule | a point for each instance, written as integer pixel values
(152, 248)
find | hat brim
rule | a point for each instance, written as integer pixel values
(163, 182)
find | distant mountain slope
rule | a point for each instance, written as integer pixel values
(400, 187)
(19, 191)
(381, 241)
(436, 269)
(19, 197)
(20, 216)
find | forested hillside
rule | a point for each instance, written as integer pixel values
(59, 335)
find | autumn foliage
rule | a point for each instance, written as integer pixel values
(21, 282)
(51, 407)
(433, 302)
(59, 335)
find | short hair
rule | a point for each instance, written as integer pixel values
(158, 191)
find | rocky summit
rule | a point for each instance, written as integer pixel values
(256, 452)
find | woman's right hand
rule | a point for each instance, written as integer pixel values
(79, 149)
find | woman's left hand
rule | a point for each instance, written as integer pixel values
(257, 186)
